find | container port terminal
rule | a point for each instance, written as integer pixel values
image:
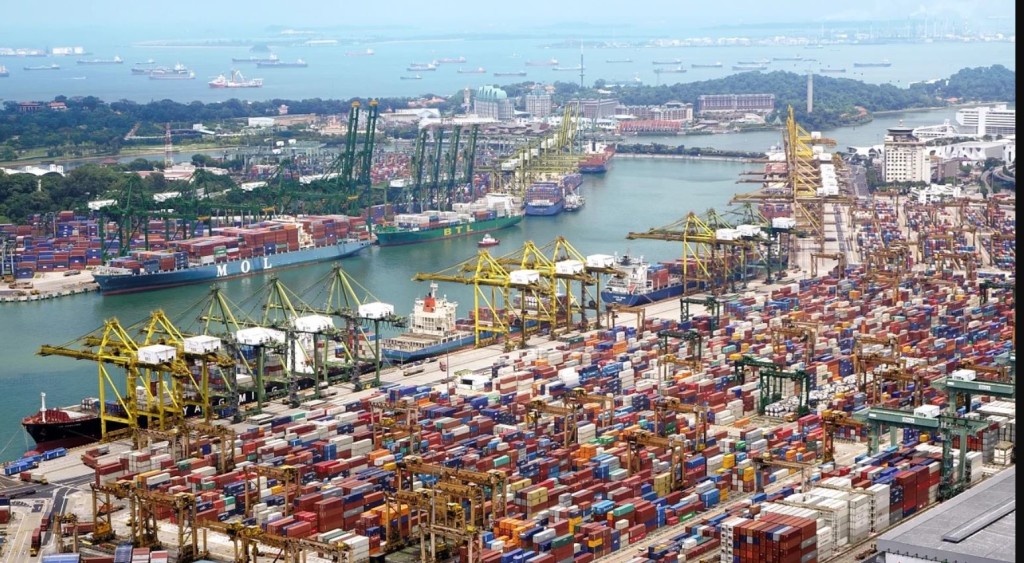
(839, 369)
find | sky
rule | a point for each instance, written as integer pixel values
(184, 18)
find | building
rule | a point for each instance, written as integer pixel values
(493, 103)
(977, 526)
(596, 109)
(538, 103)
(670, 111)
(261, 122)
(977, 151)
(905, 158)
(736, 103)
(995, 120)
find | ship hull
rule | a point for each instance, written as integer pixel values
(406, 356)
(545, 210)
(635, 299)
(119, 284)
(399, 237)
(48, 436)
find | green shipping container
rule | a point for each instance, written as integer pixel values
(561, 541)
(623, 510)
(501, 461)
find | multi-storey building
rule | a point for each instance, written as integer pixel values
(905, 157)
(493, 103)
(995, 120)
(736, 103)
(538, 104)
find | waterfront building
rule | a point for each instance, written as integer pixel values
(493, 103)
(596, 108)
(905, 157)
(538, 103)
(736, 103)
(670, 111)
(981, 121)
(977, 151)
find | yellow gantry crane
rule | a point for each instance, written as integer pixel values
(637, 439)
(789, 328)
(699, 412)
(442, 517)
(156, 374)
(144, 506)
(493, 481)
(490, 312)
(288, 476)
(246, 541)
(580, 396)
(395, 419)
(831, 421)
(714, 254)
(839, 257)
(766, 460)
(568, 414)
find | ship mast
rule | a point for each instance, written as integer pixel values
(42, 409)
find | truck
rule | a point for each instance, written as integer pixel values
(37, 536)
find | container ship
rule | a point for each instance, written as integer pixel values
(54, 66)
(676, 70)
(114, 61)
(490, 213)
(433, 330)
(236, 81)
(257, 60)
(451, 60)
(66, 427)
(415, 67)
(235, 252)
(674, 62)
(512, 73)
(547, 198)
(171, 75)
(706, 65)
(640, 283)
(597, 161)
(882, 63)
(297, 63)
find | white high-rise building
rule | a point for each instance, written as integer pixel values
(994, 120)
(905, 158)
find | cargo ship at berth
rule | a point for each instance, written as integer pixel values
(640, 283)
(490, 213)
(233, 252)
(597, 161)
(547, 198)
(433, 330)
(66, 427)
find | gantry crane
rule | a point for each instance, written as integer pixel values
(181, 442)
(442, 515)
(839, 257)
(484, 271)
(766, 460)
(495, 482)
(247, 539)
(158, 369)
(695, 345)
(395, 419)
(831, 421)
(288, 476)
(144, 507)
(712, 305)
(699, 412)
(771, 377)
(70, 519)
(636, 439)
(568, 414)
(613, 310)
(580, 396)
(790, 328)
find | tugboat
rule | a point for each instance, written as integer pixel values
(488, 240)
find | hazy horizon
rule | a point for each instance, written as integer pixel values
(126, 20)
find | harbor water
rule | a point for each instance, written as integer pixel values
(635, 195)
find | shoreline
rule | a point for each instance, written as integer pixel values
(684, 157)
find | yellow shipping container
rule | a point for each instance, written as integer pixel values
(728, 461)
(389, 466)
(723, 494)
(735, 357)
(277, 489)
(924, 438)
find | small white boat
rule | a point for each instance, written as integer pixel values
(488, 240)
